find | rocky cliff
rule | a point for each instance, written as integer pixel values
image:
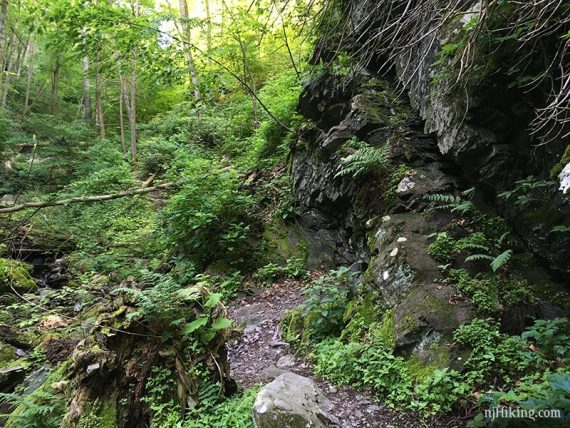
(419, 182)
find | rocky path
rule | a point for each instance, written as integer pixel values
(259, 355)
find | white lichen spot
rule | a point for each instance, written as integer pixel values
(385, 275)
(402, 239)
(405, 185)
(565, 179)
(394, 252)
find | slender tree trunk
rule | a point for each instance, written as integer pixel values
(133, 116)
(121, 115)
(3, 20)
(86, 91)
(184, 14)
(29, 83)
(55, 86)
(129, 96)
(208, 28)
(8, 68)
(98, 101)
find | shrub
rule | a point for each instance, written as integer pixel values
(207, 219)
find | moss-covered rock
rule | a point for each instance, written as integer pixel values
(361, 313)
(7, 355)
(16, 274)
(284, 242)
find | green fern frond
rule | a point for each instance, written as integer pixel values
(472, 246)
(463, 207)
(443, 199)
(501, 260)
(364, 161)
(479, 257)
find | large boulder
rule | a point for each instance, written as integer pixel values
(407, 279)
(292, 401)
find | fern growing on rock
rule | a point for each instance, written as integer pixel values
(365, 160)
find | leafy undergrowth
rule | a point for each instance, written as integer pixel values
(148, 275)
(527, 371)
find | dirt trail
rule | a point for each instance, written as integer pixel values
(259, 355)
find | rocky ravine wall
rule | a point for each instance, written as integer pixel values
(380, 225)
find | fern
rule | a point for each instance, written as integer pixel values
(453, 203)
(479, 257)
(472, 246)
(501, 260)
(364, 161)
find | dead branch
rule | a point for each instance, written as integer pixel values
(85, 199)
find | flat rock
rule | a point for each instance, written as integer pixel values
(292, 401)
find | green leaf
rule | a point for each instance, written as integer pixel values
(213, 300)
(207, 335)
(221, 323)
(195, 325)
(189, 294)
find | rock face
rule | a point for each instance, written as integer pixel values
(473, 136)
(292, 401)
(403, 273)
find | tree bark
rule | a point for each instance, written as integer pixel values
(98, 101)
(208, 27)
(129, 96)
(121, 115)
(8, 67)
(86, 91)
(187, 34)
(3, 20)
(54, 86)
(85, 199)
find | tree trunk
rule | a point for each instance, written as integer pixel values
(121, 115)
(29, 83)
(3, 20)
(54, 86)
(133, 116)
(129, 96)
(208, 28)
(100, 118)
(86, 91)
(187, 35)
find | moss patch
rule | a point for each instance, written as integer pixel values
(384, 333)
(359, 316)
(284, 242)
(7, 355)
(17, 274)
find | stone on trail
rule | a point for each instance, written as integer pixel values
(292, 401)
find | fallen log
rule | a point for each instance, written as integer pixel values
(85, 199)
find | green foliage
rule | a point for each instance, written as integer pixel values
(16, 274)
(164, 307)
(43, 408)
(160, 396)
(234, 411)
(361, 365)
(294, 269)
(325, 303)
(365, 160)
(443, 248)
(440, 392)
(550, 338)
(528, 191)
(205, 219)
(460, 204)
